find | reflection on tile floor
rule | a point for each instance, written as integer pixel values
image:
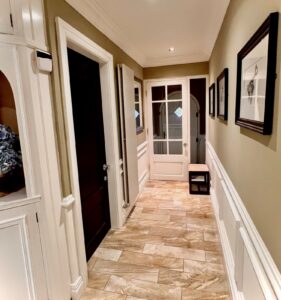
(168, 250)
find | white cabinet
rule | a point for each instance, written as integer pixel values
(21, 264)
(6, 25)
(23, 22)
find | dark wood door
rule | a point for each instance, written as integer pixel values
(90, 147)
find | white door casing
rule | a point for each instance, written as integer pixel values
(70, 37)
(169, 166)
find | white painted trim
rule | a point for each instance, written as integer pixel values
(228, 257)
(142, 149)
(76, 288)
(206, 77)
(21, 222)
(183, 159)
(68, 201)
(175, 60)
(21, 202)
(70, 37)
(96, 16)
(265, 269)
(143, 164)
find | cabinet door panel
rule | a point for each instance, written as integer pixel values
(5, 21)
(22, 273)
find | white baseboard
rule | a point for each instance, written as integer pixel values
(252, 272)
(77, 288)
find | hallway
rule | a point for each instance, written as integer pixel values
(169, 249)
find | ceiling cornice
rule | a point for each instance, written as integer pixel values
(175, 60)
(90, 10)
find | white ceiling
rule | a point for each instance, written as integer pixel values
(145, 29)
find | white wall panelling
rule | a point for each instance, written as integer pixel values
(252, 271)
(143, 164)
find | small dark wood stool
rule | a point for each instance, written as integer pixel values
(199, 179)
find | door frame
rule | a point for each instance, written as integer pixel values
(68, 36)
(203, 76)
(149, 126)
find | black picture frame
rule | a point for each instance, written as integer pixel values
(255, 87)
(222, 95)
(212, 100)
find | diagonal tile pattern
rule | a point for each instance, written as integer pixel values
(168, 249)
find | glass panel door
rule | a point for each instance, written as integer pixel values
(168, 128)
(167, 113)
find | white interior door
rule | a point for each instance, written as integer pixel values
(168, 129)
(128, 135)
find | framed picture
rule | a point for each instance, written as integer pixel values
(138, 105)
(212, 95)
(222, 95)
(256, 66)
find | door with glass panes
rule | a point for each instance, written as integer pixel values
(168, 129)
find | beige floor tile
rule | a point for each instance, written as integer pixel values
(215, 284)
(214, 257)
(93, 294)
(134, 298)
(142, 289)
(152, 260)
(198, 267)
(192, 244)
(127, 270)
(149, 223)
(120, 244)
(155, 217)
(211, 236)
(91, 262)
(171, 212)
(167, 232)
(181, 279)
(168, 249)
(189, 294)
(97, 280)
(139, 237)
(108, 254)
(177, 252)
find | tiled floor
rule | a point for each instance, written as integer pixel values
(168, 250)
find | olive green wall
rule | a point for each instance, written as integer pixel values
(252, 161)
(176, 70)
(60, 8)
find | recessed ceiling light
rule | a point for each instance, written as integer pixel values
(171, 49)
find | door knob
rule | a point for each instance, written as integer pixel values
(105, 167)
(184, 144)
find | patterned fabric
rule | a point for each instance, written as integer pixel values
(10, 153)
